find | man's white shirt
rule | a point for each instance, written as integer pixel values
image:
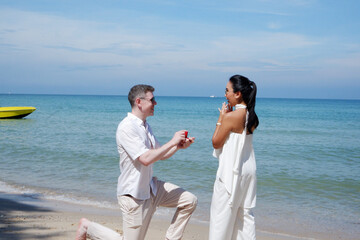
(134, 138)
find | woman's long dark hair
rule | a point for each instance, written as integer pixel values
(248, 91)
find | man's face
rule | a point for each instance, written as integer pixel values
(148, 104)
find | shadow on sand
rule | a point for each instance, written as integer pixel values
(13, 213)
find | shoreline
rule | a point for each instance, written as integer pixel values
(25, 217)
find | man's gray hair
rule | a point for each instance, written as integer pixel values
(138, 91)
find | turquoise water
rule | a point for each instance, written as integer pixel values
(307, 152)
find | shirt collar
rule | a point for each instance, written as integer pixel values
(136, 119)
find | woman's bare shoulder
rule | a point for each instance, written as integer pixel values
(237, 119)
(238, 114)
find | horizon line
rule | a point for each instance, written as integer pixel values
(210, 96)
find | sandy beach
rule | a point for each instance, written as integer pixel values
(24, 217)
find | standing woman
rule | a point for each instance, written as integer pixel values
(234, 194)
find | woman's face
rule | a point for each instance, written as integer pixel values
(230, 95)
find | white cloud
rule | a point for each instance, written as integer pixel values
(338, 69)
(291, 2)
(80, 49)
(274, 25)
(256, 11)
(50, 38)
(261, 51)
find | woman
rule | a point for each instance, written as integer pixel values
(235, 185)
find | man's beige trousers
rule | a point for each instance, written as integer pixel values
(137, 214)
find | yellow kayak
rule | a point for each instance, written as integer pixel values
(15, 112)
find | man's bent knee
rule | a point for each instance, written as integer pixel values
(192, 202)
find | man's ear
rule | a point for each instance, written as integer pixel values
(137, 101)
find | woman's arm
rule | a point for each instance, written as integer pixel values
(222, 131)
(229, 121)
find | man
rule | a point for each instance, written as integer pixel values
(139, 193)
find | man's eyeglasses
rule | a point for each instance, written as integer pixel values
(152, 100)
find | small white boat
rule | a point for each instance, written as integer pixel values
(15, 112)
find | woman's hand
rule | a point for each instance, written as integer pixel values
(225, 109)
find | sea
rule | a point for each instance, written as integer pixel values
(307, 153)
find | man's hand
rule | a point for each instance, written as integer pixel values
(178, 138)
(186, 143)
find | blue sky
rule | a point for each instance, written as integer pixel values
(290, 48)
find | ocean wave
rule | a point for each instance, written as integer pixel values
(48, 194)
